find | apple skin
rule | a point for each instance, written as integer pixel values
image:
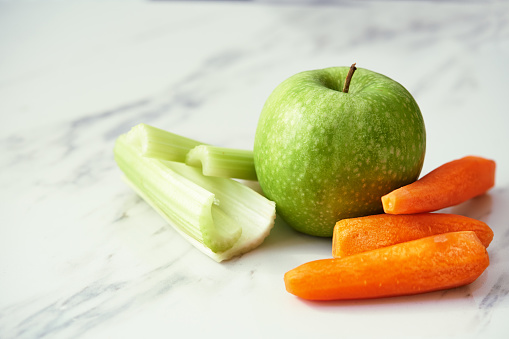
(323, 155)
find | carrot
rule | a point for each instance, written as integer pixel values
(355, 235)
(448, 185)
(428, 264)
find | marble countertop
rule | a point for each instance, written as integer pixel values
(81, 256)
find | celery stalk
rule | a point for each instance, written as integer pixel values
(223, 162)
(160, 144)
(214, 161)
(219, 216)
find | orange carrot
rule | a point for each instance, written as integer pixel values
(356, 235)
(428, 264)
(448, 185)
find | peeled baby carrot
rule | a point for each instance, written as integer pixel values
(428, 264)
(448, 185)
(356, 235)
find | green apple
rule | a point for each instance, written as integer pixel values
(324, 152)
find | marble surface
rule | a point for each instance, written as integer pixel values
(81, 256)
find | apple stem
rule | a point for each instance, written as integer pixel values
(346, 86)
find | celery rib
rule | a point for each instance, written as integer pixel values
(214, 161)
(223, 162)
(219, 216)
(160, 144)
